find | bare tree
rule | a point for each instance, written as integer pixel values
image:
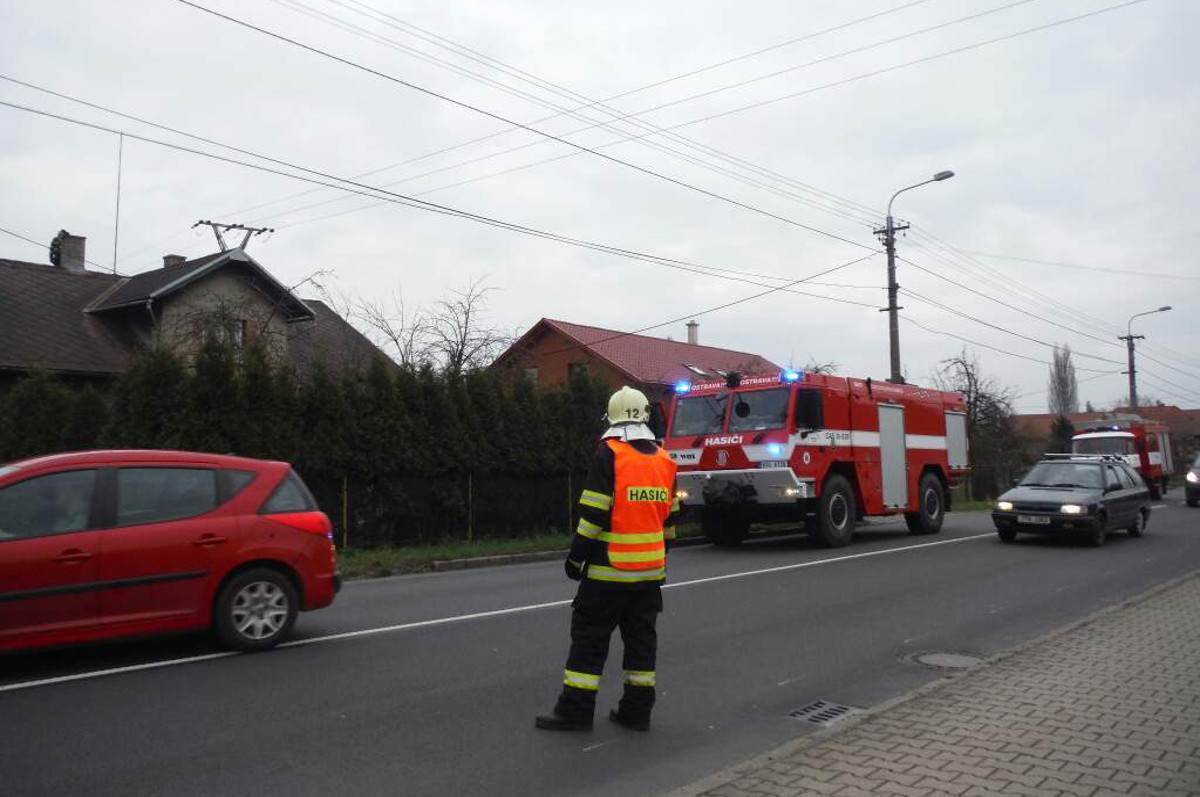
(996, 450)
(402, 333)
(1063, 389)
(458, 333)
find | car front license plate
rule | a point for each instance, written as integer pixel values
(1035, 520)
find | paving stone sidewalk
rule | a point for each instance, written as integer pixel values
(1109, 707)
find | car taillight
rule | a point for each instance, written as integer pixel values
(312, 522)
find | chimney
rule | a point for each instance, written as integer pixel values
(67, 251)
(693, 327)
(173, 260)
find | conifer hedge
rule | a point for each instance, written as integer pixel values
(394, 456)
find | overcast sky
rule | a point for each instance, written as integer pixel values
(1075, 144)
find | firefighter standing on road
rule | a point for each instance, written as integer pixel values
(619, 556)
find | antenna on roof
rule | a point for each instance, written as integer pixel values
(218, 227)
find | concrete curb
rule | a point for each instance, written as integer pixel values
(729, 774)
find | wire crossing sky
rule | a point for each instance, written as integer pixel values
(1066, 122)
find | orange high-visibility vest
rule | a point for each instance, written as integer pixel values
(642, 502)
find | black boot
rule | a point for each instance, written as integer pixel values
(634, 709)
(633, 723)
(557, 722)
(572, 712)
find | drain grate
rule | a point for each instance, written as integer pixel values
(823, 712)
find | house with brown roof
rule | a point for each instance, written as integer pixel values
(1184, 426)
(87, 325)
(551, 351)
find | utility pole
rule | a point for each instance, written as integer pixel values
(893, 310)
(889, 242)
(1129, 338)
(218, 227)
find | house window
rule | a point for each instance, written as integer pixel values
(532, 375)
(576, 369)
(235, 333)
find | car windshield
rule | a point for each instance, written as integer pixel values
(696, 415)
(757, 410)
(1064, 474)
(1104, 445)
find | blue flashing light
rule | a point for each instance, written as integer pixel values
(792, 376)
(683, 387)
(775, 449)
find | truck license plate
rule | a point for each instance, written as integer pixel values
(1036, 520)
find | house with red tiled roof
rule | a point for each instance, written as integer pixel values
(551, 351)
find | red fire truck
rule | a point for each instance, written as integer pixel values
(1145, 444)
(824, 449)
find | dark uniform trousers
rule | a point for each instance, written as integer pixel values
(598, 609)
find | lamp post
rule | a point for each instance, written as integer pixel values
(889, 242)
(1129, 338)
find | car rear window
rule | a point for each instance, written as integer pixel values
(290, 496)
(155, 495)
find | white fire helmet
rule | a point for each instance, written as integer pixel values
(628, 405)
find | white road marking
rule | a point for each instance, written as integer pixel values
(115, 671)
(1158, 506)
(474, 616)
(598, 745)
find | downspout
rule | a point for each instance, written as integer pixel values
(150, 310)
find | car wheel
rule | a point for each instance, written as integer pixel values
(256, 610)
(1139, 524)
(1099, 534)
(1193, 502)
(1007, 535)
(837, 512)
(928, 520)
(725, 526)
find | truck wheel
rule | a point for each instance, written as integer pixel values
(725, 527)
(928, 519)
(836, 512)
(1155, 491)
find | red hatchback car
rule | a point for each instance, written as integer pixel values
(102, 544)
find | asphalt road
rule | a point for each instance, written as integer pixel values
(429, 684)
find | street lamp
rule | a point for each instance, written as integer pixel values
(1129, 338)
(889, 242)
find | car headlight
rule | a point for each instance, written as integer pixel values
(1193, 477)
(1071, 509)
(681, 495)
(1004, 506)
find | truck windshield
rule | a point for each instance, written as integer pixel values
(697, 415)
(1104, 445)
(756, 410)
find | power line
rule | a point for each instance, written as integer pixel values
(1131, 272)
(1003, 303)
(743, 300)
(1078, 382)
(669, 130)
(46, 246)
(420, 204)
(990, 347)
(589, 103)
(999, 328)
(630, 118)
(498, 117)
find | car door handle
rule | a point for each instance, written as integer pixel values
(209, 540)
(72, 555)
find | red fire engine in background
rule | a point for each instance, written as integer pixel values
(1144, 444)
(825, 449)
